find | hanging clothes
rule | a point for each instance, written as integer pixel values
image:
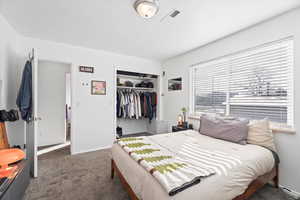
(154, 103)
(148, 104)
(136, 105)
(24, 99)
(119, 111)
(142, 100)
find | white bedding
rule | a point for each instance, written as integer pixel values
(255, 161)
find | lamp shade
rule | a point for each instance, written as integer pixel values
(9, 156)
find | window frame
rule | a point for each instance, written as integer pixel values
(291, 109)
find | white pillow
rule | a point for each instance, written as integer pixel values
(259, 133)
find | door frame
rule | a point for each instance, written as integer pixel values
(72, 91)
(33, 123)
(73, 106)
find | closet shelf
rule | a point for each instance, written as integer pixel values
(135, 77)
(135, 88)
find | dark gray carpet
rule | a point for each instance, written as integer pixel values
(87, 177)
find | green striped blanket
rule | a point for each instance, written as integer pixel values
(174, 173)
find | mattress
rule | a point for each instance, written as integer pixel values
(254, 162)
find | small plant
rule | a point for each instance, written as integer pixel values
(184, 110)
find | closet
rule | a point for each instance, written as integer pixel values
(137, 102)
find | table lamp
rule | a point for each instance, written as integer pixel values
(180, 120)
(9, 156)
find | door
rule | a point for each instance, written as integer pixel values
(31, 127)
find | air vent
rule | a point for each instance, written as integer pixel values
(174, 13)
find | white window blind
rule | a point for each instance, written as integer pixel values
(211, 86)
(255, 83)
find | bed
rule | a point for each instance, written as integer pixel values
(257, 167)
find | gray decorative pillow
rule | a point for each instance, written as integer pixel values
(230, 130)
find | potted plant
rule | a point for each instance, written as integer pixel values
(184, 111)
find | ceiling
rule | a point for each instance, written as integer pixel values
(113, 25)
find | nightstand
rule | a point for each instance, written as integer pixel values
(180, 128)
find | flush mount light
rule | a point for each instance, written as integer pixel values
(146, 8)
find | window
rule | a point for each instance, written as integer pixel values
(256, 83)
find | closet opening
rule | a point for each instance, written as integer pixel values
(54, 107)
(137, 104)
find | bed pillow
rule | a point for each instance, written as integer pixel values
(233, 130)
(260, 134)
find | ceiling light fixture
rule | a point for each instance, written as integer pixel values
(146, 8)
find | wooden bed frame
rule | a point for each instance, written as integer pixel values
(253, 187)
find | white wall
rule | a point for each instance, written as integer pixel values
(52, 102)
(131, 126)
(93, 124)
(10, 76)
(277, 28)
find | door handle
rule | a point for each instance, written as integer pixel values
(37, 118)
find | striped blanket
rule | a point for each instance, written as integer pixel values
(177, 171)
(173, 172)
(217, 161)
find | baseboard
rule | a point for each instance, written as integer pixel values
(53, 148)
(293, 193)
(91, 150)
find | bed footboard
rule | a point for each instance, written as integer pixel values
(253, 187)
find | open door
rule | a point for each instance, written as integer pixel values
(31, 127)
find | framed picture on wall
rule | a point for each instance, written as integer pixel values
(175, 84)
(98, 88)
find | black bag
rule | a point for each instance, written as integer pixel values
(9, 116)
(150, 85)
(13, 115)
(3, 116)
(119, 131)
(128, 84)
(142, 84)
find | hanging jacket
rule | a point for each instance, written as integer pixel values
(142, 104)
(139, 105)
(149, 106)
(154, 103)
(119, 110)
(24, 99)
